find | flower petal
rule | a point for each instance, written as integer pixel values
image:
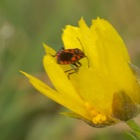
(49, 50)
(43, 88)
(96, 90)
(113, 59)
(102, 26)
(71, 37)
(109, 70)
(88, 40)
(63, 99)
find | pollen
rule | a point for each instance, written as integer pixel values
(99, 119)
(92, 112)
(96, 116)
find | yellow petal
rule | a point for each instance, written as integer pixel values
(95, 90)
(43, 88)
(49, 50)
(88, 40)
(113, 60)
(112, 35)
(70, 37)
(110, 71)
(61, 98)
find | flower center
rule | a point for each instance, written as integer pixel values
(96, 116)
(98, 119)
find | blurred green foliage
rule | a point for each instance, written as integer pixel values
(25, 114)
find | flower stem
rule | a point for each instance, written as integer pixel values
(135, 127)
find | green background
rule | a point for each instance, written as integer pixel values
(25, 25)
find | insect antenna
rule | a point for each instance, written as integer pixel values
(83, 49)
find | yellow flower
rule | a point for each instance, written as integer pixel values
(103, 93)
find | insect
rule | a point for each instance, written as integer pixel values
(70, 56)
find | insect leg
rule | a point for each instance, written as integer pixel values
(69, 70)
(79, 64)
(70, 74)
(73, 69)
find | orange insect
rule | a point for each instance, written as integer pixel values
(70, 56)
